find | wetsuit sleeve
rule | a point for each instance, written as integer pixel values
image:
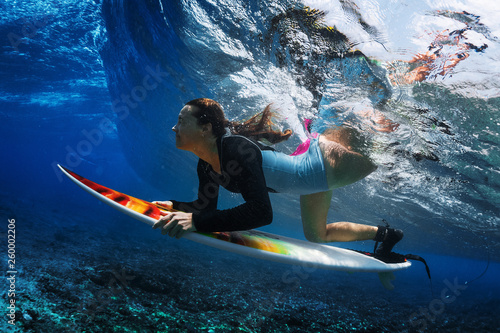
(208, 193)
(242, 170)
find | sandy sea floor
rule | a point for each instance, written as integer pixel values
(125, 278)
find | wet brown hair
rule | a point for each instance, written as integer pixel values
(258, 127)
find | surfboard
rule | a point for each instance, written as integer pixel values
(253, 243)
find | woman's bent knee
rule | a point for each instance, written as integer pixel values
(315, 237)
(314, 211)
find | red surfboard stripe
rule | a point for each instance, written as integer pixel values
(138, 205)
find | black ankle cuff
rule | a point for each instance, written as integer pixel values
(381, 233)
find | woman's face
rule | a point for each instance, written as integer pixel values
(187, 131)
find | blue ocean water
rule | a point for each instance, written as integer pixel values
(97, 86)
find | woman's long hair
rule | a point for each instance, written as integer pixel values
(258, 127)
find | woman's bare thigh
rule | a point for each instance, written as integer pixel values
(342, 165)
(314, 211)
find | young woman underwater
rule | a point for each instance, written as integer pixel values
(231, 156)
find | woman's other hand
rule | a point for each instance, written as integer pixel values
(175, 224)
(166, 204)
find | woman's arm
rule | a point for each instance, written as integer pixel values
(242, 172)
(208, 193)
(177, 223)
(242, 166)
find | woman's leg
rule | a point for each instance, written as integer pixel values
(343, 166)
(314, 210)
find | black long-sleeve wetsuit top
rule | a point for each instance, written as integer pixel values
(241, 172)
